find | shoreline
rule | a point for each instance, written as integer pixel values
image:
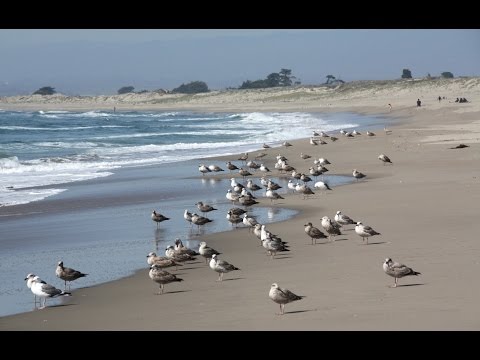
(423, 212)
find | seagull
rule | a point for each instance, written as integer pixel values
(41, 289)
(304, 156)
(384, 158)
(355, 132)
(252, 186)
(286, 144)
(322, 186)
(221, 266)
(291, 185)
(369, 133)
(365, 231)
(187, 215)
(29, 280)
(313, 232)
(207, 252)
(204, 207)
(244, 157)
(161, 277)
(215, 168)
(261, 155)
(203, 169)
(182, 249)
(272, 245)
(161, 261)
(397, 270)
(323, 161)
(249, 221)
(67, 274)
(171, 254)
(330, 227)
(357, 174)
(273, 195)
(333, 138)
(313, 141)
(231, 166)
(158, 218)
(282, 296)
(264, 168)
(265, 146)
(343, 219)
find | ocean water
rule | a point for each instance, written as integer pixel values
(80, 186)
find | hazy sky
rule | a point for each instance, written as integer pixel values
(88, 61)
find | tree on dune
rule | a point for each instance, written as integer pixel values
(46, 90)
(406, 74)
(282, 78)
(193, 87)
(330, 78)
(125, 90)
(447, 75)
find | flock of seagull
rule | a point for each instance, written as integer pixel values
(273, 244)
(177, 254)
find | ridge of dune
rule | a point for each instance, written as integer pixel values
(353, 94)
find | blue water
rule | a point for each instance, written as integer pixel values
(80, 186)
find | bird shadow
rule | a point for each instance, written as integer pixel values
(404, 285)
(376, 243)
(173, 292)
(282, 257)
(231, 279)
(297, 311)
(338, 240)
(57, 305)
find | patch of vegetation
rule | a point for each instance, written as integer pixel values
(46, 90)
(193, 87)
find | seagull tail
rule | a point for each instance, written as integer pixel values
(65, 293)
(178, 279)
(416, 273)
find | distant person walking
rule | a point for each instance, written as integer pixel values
(419, 103)
(390, 107)
(114, 109)
(439, 98)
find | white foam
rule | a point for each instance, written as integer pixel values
(16, 197)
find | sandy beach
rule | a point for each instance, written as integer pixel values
(425, 206)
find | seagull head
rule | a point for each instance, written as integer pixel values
(29, 276)
(388, 261)
(60, 263)
(178, 241)
(359, 223)
(203, 243)
(339, 212)
(151, 254)
(214, 256)
(308, 224)
(275, 285)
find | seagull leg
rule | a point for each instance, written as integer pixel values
(282, 306)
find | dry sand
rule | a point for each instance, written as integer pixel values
(425, 206)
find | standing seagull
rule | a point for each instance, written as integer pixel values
(42, 289)
(161, 277)
(357, 174)
(384, 158)
(313, 232)
(343, 219)
(204, 207)
(330, 227)
(365, 231)
(67, 274)
(158, 218)
(207, 252)
(282, 296)
(221, 266)
(397, 270)
(30, 277)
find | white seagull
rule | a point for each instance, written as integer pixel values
(43, 290)
(365, 231)
(282, 296)
(221, 266)
(397, 270)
